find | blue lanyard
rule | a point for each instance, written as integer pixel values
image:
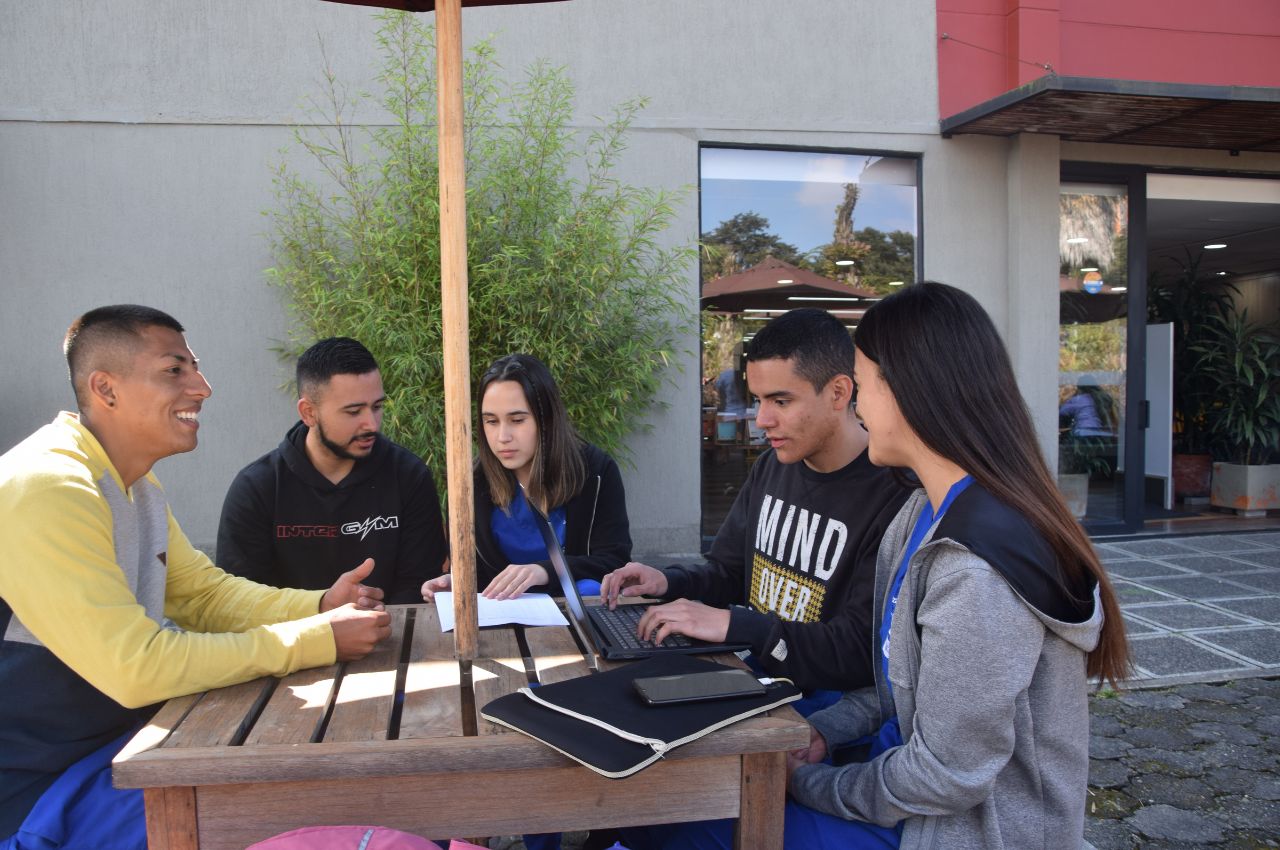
(924, 522)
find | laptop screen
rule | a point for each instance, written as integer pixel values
(573, 601)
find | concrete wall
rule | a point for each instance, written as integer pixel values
(137, 139)
(137, 136)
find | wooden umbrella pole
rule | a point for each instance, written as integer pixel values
(457, 359)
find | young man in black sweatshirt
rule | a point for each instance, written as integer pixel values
(335, 491)
(792, 568)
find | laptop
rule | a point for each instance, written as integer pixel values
(612, 634)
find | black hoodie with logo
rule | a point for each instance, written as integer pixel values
(286, 525)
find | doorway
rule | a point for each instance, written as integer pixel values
(1145, 257)
(1213, 254)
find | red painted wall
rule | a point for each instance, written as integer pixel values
(987, 47)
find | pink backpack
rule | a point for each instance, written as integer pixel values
(352, 838)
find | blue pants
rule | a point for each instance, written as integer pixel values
(803, 829)
(542, 841)
(81, 811)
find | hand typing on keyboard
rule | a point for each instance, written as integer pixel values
(683, 617)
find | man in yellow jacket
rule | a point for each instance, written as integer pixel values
(105, 607)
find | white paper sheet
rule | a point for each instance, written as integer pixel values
(528, 609)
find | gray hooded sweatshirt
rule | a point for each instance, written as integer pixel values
(987, 664)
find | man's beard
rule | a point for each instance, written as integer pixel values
(338, 449)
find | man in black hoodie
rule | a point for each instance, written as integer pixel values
(335, 491)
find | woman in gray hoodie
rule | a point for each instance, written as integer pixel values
(992, 608)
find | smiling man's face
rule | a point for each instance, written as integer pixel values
(158, 398)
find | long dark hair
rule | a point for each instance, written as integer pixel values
(558, 466)
(950, 374)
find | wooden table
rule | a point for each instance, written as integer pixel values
(396, 740)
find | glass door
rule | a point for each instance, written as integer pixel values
(1094, 459)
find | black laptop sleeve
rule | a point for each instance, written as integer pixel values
(600, 720)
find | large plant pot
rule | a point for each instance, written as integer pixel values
(1075, 490)
(1251, 489)
(1191, 475)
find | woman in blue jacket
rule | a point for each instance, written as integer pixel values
(531, 452)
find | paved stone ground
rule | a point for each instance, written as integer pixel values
(1191, 766)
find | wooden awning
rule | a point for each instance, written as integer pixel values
(1131, 112)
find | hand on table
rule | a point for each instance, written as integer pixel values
(633, 579)
(515, 580)
(357, 631)
(508, 584)
(348, 589)
(683, 617)
(433, 586)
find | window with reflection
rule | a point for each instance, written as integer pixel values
(782, 229)
(1093, 253)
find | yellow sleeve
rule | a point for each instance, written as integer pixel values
(63, 584)
(202, 598)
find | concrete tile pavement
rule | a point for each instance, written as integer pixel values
(1203, 608)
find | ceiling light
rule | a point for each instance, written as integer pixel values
(820, 298)
(785, 280)
(1222, 274)
(1119, 289)
(1213, 246)
(1088, 268)
(844, 262)
(1077, 240)
(895, 283)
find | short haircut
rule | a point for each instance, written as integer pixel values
(104, 338)
(816, 341)
(337, 355)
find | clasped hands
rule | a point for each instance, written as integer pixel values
(356, 614)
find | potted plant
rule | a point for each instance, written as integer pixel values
(1080, 458)
(1242, 361)
(1187, 300)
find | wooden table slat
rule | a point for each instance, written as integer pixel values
(297, 708)
(221, 716)
(432, 701)
(498, 671)
(556, 656)
(159, 728)
(367, 692)
(567, 798)
(361, 759)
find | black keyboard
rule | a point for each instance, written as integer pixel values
(620, 625)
